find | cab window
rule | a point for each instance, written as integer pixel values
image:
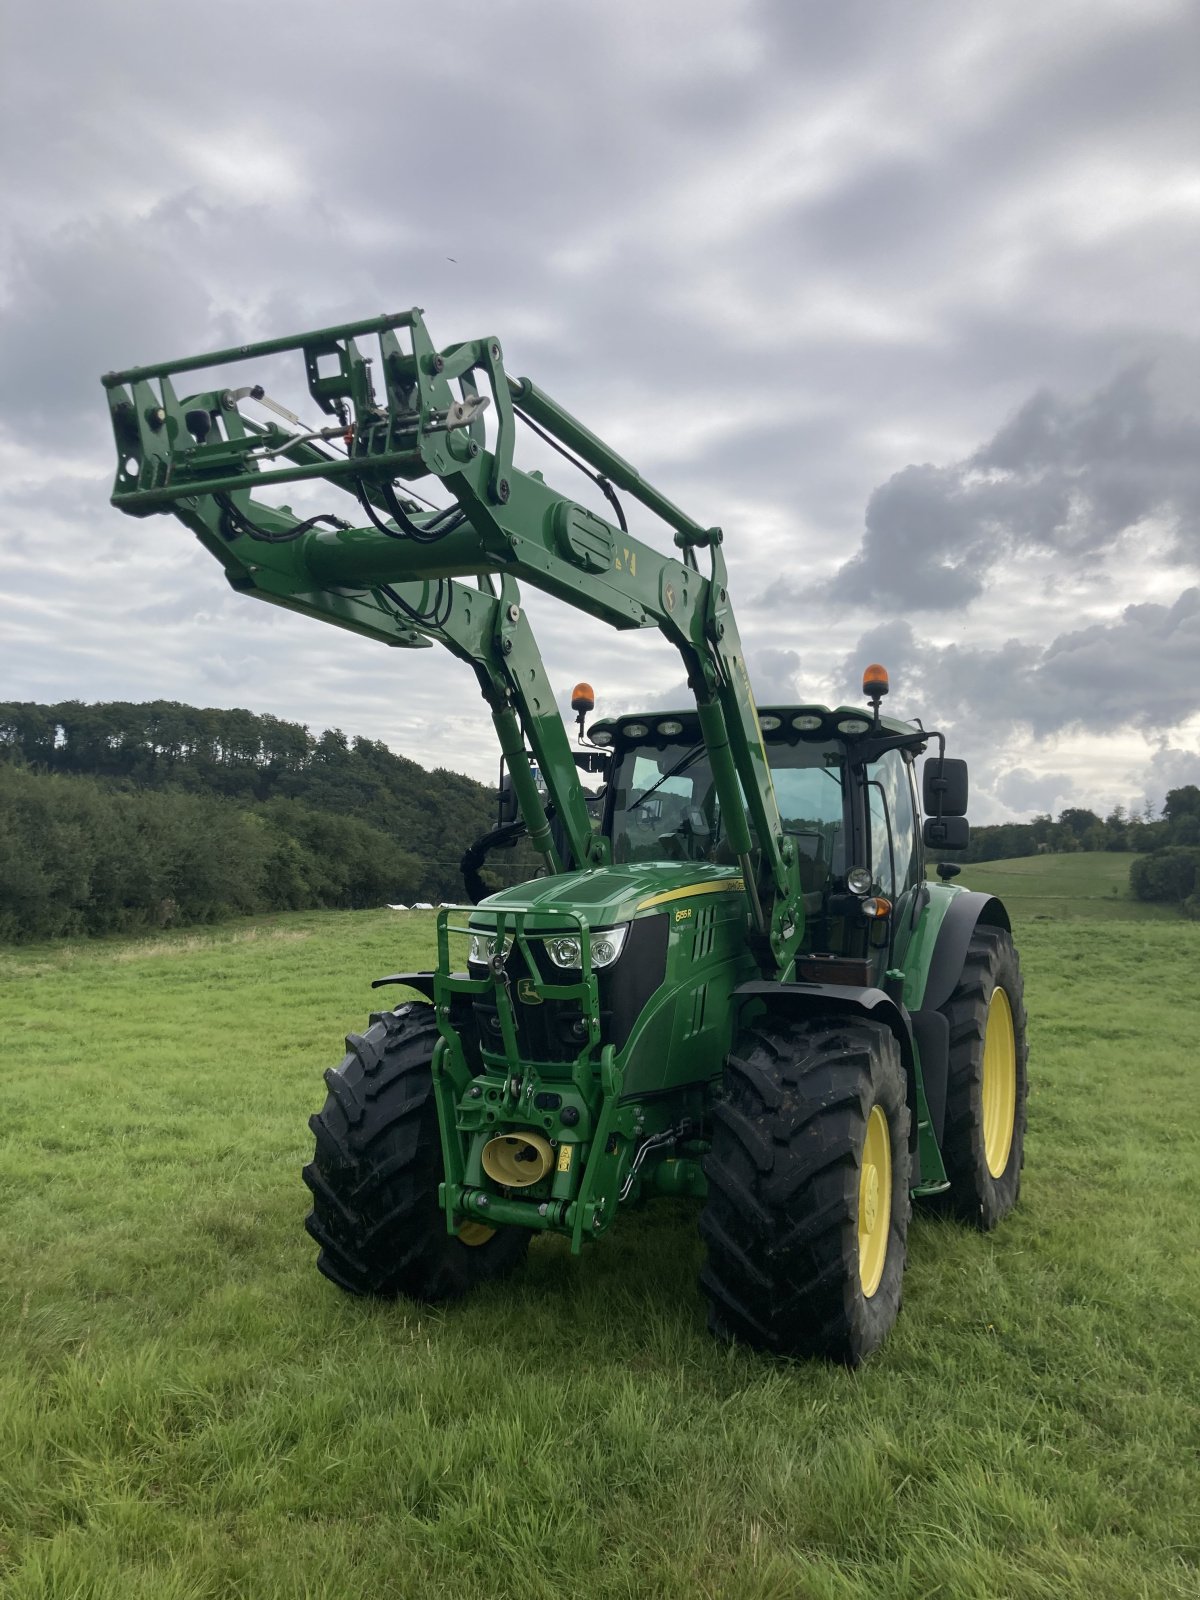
(665, 806)
(809, 792)
(892, 824)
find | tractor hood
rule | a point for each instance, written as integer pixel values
(605, 896)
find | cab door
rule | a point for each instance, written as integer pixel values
(894, 845)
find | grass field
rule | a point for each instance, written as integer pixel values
(188, 1410)
(1092, 885)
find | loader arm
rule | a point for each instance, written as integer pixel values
(397, 573)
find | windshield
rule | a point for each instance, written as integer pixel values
(665, 806)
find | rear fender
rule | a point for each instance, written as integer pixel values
(966, 912)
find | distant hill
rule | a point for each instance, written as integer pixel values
(1093, 885)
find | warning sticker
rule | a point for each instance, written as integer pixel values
(565, 1152)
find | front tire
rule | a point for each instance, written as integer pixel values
(806, 1220)
(374, 1175)
(983, 1144)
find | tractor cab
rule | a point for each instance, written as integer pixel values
(848, 807)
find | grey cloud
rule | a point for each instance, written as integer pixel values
(1139, 670)
(1026, 791)
(785, 229)
(919, 204)
(775, 674)
(1170, 768)
(1070, 476)
(1136, 671)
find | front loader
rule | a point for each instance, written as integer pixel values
(730, 978)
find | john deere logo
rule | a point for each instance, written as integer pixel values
(527, 993)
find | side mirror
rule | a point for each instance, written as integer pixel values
(947, 833)
(944, 788)
(507, 809)
(592, 760)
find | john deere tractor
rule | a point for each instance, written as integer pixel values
(729, 978)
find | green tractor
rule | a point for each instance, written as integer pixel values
(729, 978)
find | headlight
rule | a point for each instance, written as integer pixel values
(606, 947)
(483, 946)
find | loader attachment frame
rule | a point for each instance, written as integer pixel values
(409, 576)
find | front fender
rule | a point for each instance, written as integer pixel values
(834, 999)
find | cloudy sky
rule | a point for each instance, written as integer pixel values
(904, 296)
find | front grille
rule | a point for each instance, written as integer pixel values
(554, 1030)
(547, 1030)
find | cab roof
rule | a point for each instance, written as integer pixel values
(778, 722)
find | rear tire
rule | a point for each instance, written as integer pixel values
(806, 1219)
(983, 1143)
(374, 1175)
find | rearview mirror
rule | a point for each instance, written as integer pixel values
(944, 788)
(592, 760)
(947, 833)
(507, 808)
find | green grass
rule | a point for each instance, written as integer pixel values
(1091, 884)
(187, 1410)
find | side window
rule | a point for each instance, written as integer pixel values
(890, 800)
(808, 791)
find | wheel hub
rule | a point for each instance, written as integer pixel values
(473, 1233)
(999, 1082)
(874, 1201)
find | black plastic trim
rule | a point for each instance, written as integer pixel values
(422, 982)
(818, 998)
(967, 910)
(931, 1031)
(637, 974)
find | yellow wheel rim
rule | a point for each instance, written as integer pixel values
(874, 1201)
(999, 1083)
(473, 1233)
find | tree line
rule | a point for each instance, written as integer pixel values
(1167, 867)
(1077, 828)
(120, 815)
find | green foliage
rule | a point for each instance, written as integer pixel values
(340, 861)
(189, 1412)
(1170, 875)
(119, 815)
(1078, 829)
(1181, 803)
(82, 856)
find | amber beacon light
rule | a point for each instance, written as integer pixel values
(583, 700)
(875, 685)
